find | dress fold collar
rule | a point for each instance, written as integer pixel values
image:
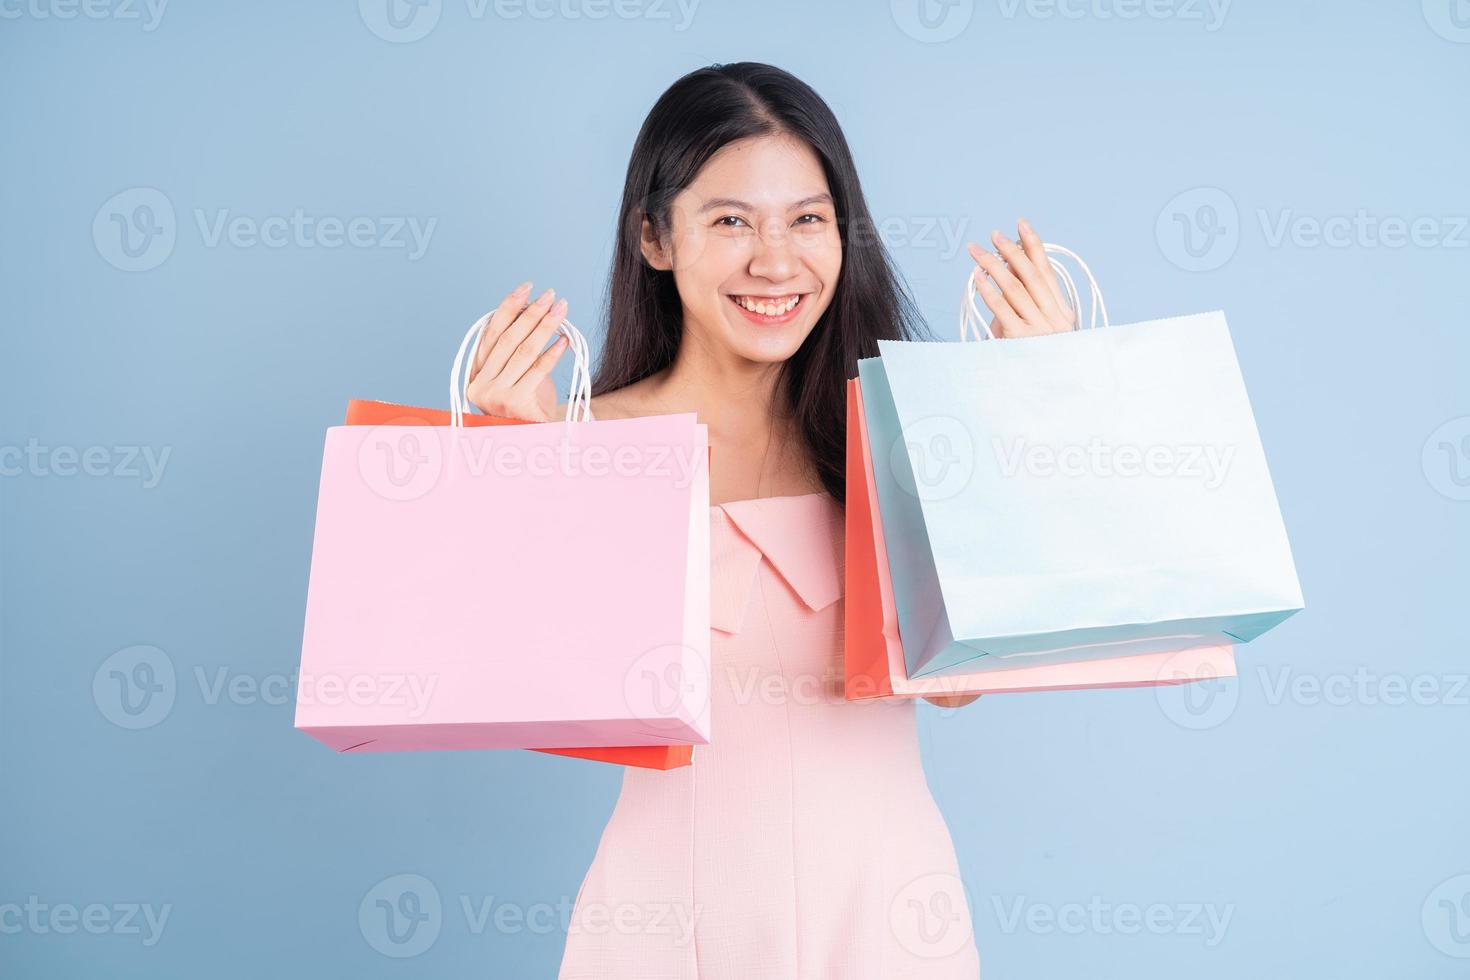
(801, 536)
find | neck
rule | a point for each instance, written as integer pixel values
(737, 398)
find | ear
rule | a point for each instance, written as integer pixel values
(654, 251)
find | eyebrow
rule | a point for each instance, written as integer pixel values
(730, 202)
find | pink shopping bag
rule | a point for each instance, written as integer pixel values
(873, 651)
(518, 586)
(367, 412)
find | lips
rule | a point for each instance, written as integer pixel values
(769, 309)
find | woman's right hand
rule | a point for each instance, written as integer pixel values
(510, 375)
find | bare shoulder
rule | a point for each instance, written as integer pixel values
(628, 402)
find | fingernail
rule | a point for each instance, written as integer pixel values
(560, 307)
(523, 289)
(1025, 225)
(546, 298)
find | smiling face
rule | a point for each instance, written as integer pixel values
(754, 248)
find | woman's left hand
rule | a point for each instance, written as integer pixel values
(1020, 288)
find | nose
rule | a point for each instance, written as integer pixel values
(773, 258)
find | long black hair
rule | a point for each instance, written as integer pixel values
(699, 114)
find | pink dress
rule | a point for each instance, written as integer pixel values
(803, 842)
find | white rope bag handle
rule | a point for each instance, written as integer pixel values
(579, 400)
(972, 321)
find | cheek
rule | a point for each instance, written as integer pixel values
(705, 265)
(828, 265)
(688, 246)
(823, 253)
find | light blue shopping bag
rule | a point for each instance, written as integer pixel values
(1074, 496)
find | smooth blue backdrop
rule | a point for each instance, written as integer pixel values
(1330, 827)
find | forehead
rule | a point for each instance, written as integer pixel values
(767, 171)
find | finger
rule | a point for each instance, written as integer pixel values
(504, 315)
(529, 348)
(1005, 321)
(1036, 252)
(1011, 287)
(520, 328)
(1029, 276)
(540, 370)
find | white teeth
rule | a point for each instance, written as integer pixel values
(769, 307)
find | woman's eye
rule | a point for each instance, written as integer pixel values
(815, 219)
(730, 221)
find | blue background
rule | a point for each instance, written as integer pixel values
(1331, 829)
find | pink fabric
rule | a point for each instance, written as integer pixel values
(803, 841)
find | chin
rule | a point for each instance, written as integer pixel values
(769, 340)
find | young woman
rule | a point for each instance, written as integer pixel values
(803, 842)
